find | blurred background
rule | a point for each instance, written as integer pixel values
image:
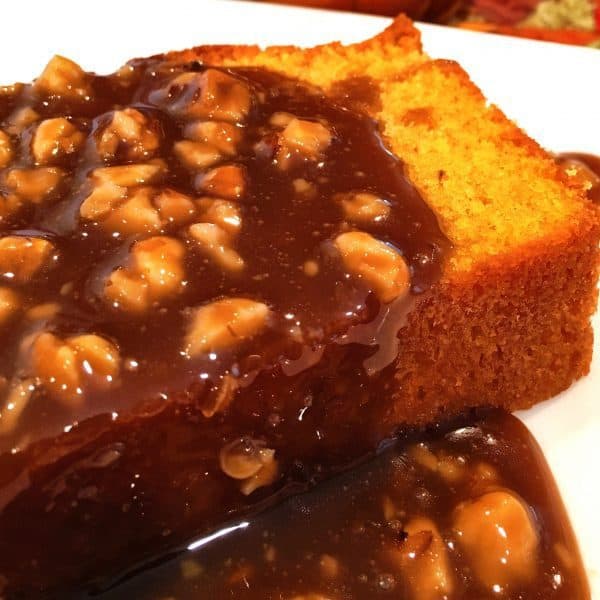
(564, 21)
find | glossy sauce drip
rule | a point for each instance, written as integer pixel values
(115, 418)
(410, 524)
(587, 166)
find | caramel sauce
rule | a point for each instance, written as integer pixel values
(160, 446)
(114, 469)
(347, 538)
(280, 231)
(588, 166)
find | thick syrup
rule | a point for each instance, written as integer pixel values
(346, 539)
(95, 481)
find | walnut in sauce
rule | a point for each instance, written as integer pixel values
(468, 511)
(153, 194)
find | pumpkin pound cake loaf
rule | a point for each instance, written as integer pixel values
(228, 272)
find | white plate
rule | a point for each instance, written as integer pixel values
(552, 91)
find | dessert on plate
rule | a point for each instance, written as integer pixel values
(229, 272)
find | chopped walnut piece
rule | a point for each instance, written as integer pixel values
(244, 457)
(225, 137)
(308, 139)
(21, 118)
(215, 241)
(130, 175)
(196, 155)
(63, 77)
(423, 560)
(65, 367)
(102, 199)
(142, 210)
(498, 535)
(6, 151)
(129, 134)
(423, 456)
(211, 94)
(223, 213)
(363, 207)
(220, 396)
(174, 208)
(265, 476)
(17, 399)
(224, 324)
(42, 312)
(111, 202)
(135, 214)
(227, 181)
(9, 304)
(53, 139)
(22, 257)
(381, 266)
(12, 89)
(281, 119)
(154, 273)
(34, 185)
(251, 462)
(9, 205)
(224, 98)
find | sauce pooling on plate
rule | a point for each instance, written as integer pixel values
(469, 512)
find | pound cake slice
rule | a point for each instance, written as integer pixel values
(229, 272)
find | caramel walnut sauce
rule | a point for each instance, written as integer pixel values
(203, 272)
(466, 510)
(178, 227)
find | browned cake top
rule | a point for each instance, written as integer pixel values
(178, 227)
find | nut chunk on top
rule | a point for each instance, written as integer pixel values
(423, 560)
(5, 149)
(301, 138)
(154, 273)
(66, 366)
(381, 266)
(55, 138)
(9, 304)
(63, 77)
(498, 535)
(224, 324)
(34, 185)
(21, 258)
(129, 134)
(212, 94)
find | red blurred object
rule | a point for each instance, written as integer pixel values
(574, 37)
(506, 12)
(429, 10)
(493, 16)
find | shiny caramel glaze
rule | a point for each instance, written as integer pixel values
(585, 167)
(176, 339)
(352, 537)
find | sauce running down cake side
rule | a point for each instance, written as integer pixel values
(468, 510)
(202, 276)
(584, 168)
